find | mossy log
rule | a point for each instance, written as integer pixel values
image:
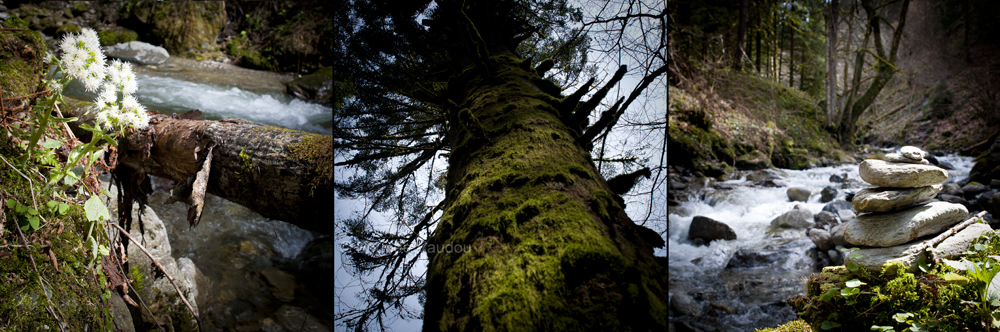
(280, 173)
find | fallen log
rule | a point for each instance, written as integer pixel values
(280, 173)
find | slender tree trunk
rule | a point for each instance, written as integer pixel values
(280, 173)
(885, 67)
(831, 61)
(741, 38)
(757, 49)
(777, 56)
(791, 57)
(968, 24)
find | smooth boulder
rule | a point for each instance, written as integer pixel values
(821, 238)
(798, 194)
(709, 230)
(828, 194)
(881, 173)
(895, 228)
(890, 199)
(796, 218)
(138, 52)
(898, 158)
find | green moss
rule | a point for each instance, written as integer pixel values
(21, 53)
(70, 28)
(241, 48)
(117, 35)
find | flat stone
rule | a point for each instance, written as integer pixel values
(798, 194)
(900, 175)
(846, 215)
(874, 259)
(837, 235)
(912, 152)
(955, 245)
(889, 199)
(898, 158)
(894, 228)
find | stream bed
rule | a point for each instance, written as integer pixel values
(741, 298)
(259, 274)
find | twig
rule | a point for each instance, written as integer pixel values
(31, 95)
(65, 125)
(157, 263)
(949, 232)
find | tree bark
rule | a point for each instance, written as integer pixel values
(831, 61)
(791, 57)
(885, 67)
(280, 173)
(741, 38)
(531, 238)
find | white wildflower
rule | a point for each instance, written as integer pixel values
(54, 86)
(115, 72)
(108, 93)
(83, 58)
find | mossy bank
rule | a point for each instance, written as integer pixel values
(743, 121)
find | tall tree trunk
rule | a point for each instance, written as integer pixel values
(791, 57)
(831, 61)
(757, 49)
(777, 57)
(885, 68)
(968, 24)
(741, 38)
(531, 238)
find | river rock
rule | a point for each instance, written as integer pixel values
(953, 199)
(894, 228)
(138, 52)
(971, 190)
(315, 87)
(837, 235)
(836, 205)
(898, 158)
(796, 218)
(685, 305)
(900, 175)
(912, 153)
(993, 206)
(846, 215)
(952, 189)
(821, 238)
(282, 283)
(890, 199)
(825, 219)
(828, 194)
(874, 259)
(709, 230)
(955, 245)
(838, 178)
(798, 194)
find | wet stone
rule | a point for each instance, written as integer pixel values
(895, 228)
(890, 199)
(900, 175)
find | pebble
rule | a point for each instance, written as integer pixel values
(912, 152)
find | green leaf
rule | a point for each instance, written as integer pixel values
(58, 119)
(922, 264)
(52, 205)
(851, 266)
(51, 143)
(11, 203)
(952, 277)
(63, 207)
(103, 250)
(902, 316)
(95, 209)
(34, 222)
(979, 247)
(849, 291)
(882, 328)
(21, 208)
(32, 211)
(854, 283)
(829, 294)
(829, 325)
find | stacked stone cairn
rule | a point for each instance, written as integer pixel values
(894, 221)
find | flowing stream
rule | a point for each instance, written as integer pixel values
(250, 263)
(745, 299)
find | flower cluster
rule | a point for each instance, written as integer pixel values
(82, 59)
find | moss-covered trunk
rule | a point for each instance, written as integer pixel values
(531, 239)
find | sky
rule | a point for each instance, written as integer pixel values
(649, 107)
